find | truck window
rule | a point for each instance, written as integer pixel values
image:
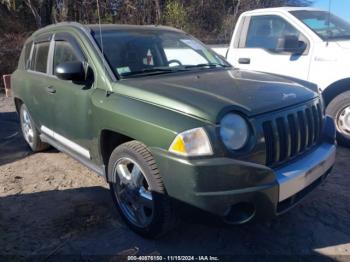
(325, 25)
(64, 52)
(267, 32)
(39, 58)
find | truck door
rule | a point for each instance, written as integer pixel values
(269, 43)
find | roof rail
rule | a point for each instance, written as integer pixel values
(72, 24)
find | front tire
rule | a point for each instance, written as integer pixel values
(29, 131)
(339, 109)
(138, 191)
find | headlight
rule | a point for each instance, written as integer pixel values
(194, 142)
(234, 131)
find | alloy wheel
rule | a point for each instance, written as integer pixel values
(27, 126)
(133, 193)
(343, 121)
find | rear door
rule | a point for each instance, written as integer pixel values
(259, 47)
(38, 97)
(72, 105)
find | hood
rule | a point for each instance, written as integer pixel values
(344, 44)
(208, 93)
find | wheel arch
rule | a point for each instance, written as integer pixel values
(335, 89)
(108, 141)
(18, 102)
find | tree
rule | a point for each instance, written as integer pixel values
(175, 14)
(198, 16)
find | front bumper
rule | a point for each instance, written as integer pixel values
(218, 184)
(294, 177)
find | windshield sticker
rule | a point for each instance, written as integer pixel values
(123, 70)
(193, 44)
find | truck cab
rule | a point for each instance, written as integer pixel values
(303, 43)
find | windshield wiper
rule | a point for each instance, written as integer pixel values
(150, 71)
(165, 70)
(211, 65)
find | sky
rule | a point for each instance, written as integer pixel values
(338, 7)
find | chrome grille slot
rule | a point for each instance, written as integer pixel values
(294, 134)
(269, 142)
(303, 131)
(311, 129)
(282, 132)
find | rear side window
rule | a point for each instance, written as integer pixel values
(27, 50)
(39, 58)
(64, 52)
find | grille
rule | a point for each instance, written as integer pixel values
(291, 134)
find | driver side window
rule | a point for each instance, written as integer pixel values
(269, 32)
(64, 52)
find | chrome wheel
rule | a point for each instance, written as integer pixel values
(133, 193)
(343, 121)
(27, 126)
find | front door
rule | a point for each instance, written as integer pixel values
(260, 48)
(72, 105)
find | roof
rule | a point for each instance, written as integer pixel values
(115, 27)
(104, 27)
(282, 9)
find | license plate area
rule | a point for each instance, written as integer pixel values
(296, 176)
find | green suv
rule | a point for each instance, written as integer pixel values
(166, 120)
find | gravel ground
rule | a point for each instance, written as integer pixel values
(51, 205)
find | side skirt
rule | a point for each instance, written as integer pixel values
(86, 162)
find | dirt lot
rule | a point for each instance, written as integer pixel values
(50, 204)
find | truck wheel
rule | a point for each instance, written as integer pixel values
(138, 191)
(339, 109)
(29, 131)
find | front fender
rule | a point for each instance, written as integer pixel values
(150, 124)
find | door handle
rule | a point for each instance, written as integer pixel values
(244, 61)
(51, 89)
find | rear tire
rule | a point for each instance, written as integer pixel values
(30, 133)
(138, 191)
(339, 110)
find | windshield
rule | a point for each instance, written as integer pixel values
(143, 52)
(324, 24)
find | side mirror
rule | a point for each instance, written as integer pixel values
(291, 44)
(70, 71)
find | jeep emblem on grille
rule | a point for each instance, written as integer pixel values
(287, 96)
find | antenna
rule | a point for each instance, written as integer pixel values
(329, 20)
(101, 41)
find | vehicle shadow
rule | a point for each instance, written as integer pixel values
(83, 222)
(12, 144)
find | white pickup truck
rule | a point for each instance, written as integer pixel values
(303, 43)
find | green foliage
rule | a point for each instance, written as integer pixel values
(175, 14)
(209, 20)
